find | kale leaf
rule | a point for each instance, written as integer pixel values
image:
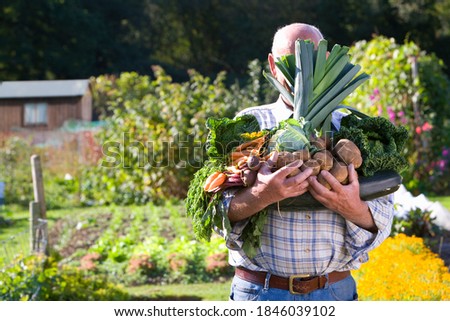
(225, 134)
(381, 143)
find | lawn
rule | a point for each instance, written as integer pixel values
(217, 291)
(14, 230)
(444, 200)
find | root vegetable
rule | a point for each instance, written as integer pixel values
(302, 154)
(254, 163)
(325, 159)
(249, 177)
(348, 152)
(237, 155)
(339, 171)
(214, 181)
(253, 144)
(318, 143)
(311, 163)
(323, 181)
(285, 158)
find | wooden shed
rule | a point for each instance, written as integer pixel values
(43, 104)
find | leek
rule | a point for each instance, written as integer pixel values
(317, 84)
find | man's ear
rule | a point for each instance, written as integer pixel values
(272, 66)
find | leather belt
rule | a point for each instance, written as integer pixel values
(296, 284)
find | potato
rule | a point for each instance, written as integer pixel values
(302, 154)
(311, 163)
(325, 159)
(318, 143)
(284, 158)
(339, 171)
(346, 151)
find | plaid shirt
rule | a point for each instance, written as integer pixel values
(312, 242)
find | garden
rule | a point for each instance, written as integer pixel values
(116, 213)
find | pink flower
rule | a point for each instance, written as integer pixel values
(418, 130)
(391, 113)
(426, 127)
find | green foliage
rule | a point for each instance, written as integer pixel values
(154, 139)
(409, 94)
(15, 170)
(201, 206)
(380, 142)
(139, 245)
(41, 279)
(72, 39)
(290, 135)
(225, 134)
(417, 222)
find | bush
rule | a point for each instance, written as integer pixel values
(154, 139)
(41, 279)
(403, 268)
(15, 170)
(419, 102)
(417, 222)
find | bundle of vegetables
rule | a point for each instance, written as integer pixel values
(315, 86)
(225, 167)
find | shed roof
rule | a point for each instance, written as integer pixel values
(43, 88)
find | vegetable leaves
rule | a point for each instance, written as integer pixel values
(380, 142)
(289, 136)
(226, 133)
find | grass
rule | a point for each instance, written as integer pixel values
(444, 200)
(14, 232)
(218, 291)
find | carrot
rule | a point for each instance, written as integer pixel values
(214, 180)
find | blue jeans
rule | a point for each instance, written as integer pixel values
(344, 290)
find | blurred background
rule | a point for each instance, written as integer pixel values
(70, 39)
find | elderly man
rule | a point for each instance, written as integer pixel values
(304, 255)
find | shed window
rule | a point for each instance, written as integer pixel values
(35, 114)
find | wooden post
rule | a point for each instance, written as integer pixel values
(34, 216)
(38, 205)
(38, 185)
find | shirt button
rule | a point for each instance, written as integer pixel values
(307, 250)
(308, 217)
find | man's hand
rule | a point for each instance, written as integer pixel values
(278, 185)
(269, 187)
(343, 199)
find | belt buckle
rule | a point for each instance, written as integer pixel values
(291, 282)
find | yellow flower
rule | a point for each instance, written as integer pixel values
(403, 268)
